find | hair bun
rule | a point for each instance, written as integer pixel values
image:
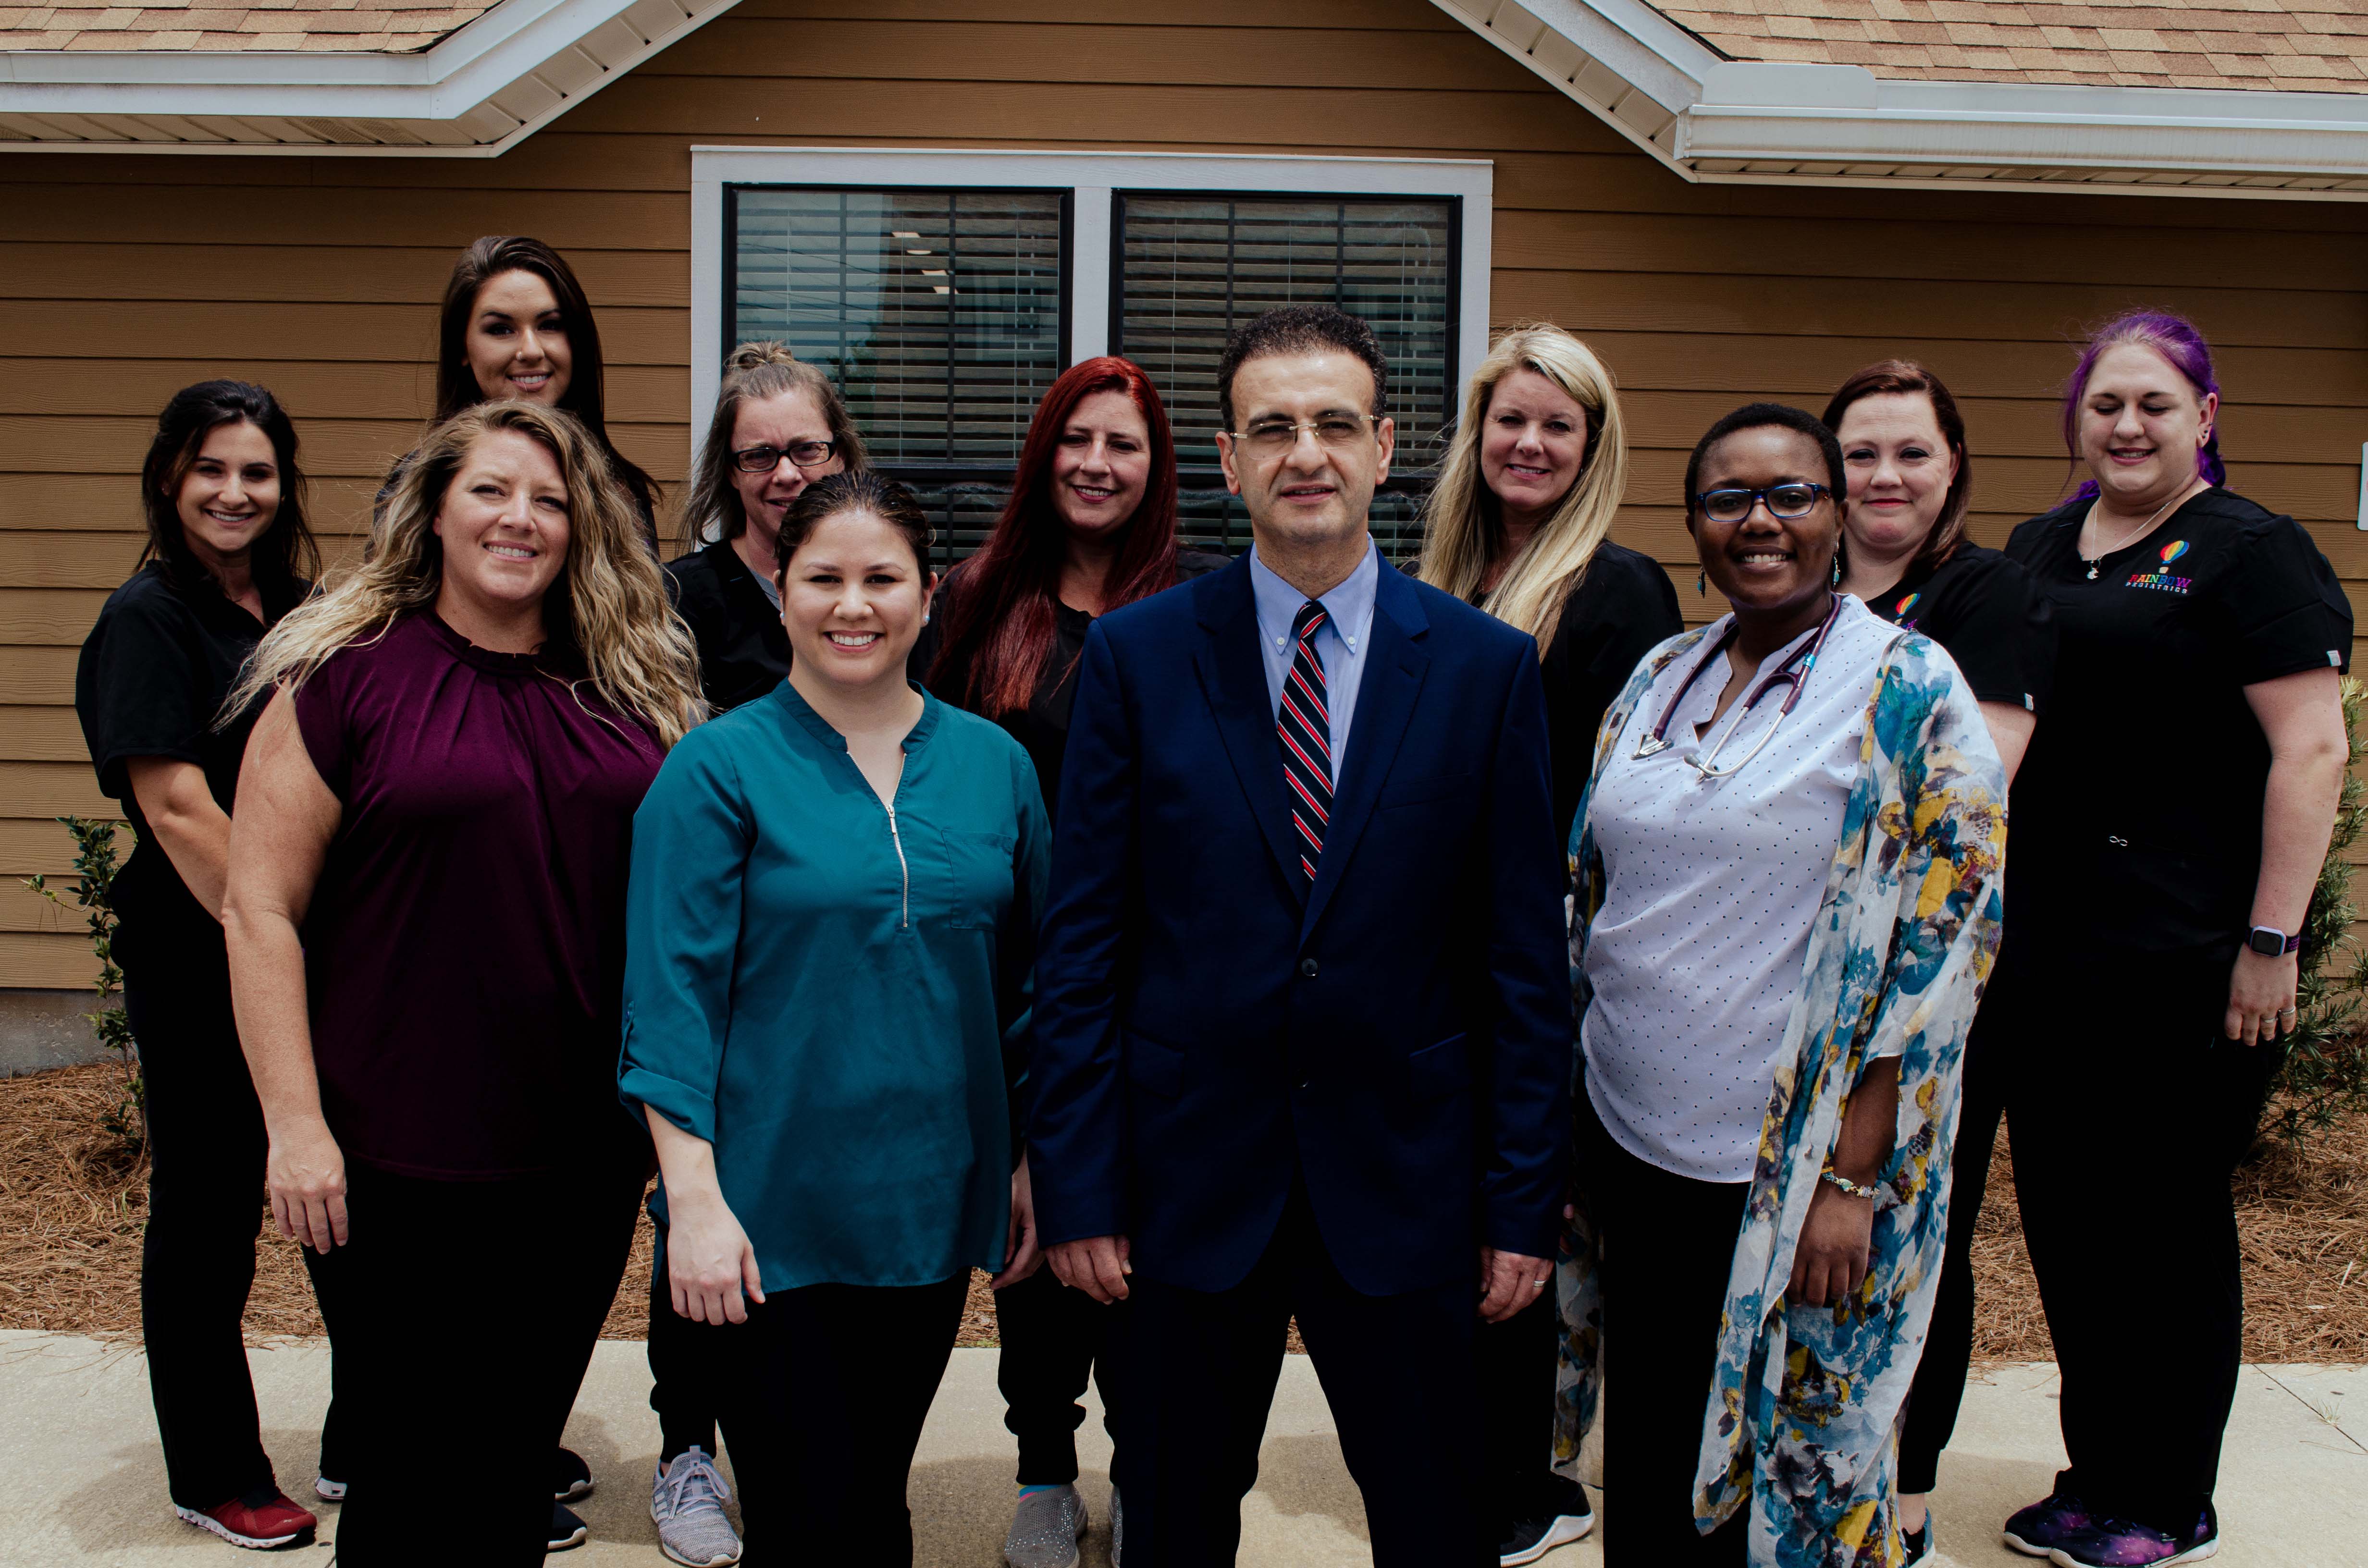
(752, 355)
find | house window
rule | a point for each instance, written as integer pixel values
(944, 291)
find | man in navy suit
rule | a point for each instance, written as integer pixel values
(1302, 1030)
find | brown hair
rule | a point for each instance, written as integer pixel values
(864, 490)
(285, 555)
(1902, 377)
(754, 372)
(455, 382)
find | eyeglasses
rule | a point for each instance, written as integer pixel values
(1272, 438)
(764, 459)
(1786, 501)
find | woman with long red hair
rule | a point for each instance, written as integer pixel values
(1090, 527)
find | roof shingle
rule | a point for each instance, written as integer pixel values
(393, 27)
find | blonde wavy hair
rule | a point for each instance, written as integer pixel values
(1460, 522)
(608, 607)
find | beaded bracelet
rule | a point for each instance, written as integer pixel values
(1854, 1190)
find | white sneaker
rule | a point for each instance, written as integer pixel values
(687, 1502)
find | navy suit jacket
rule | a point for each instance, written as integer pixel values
(1398, 1036)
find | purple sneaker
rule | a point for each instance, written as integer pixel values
(2038, 1529)
(2118, 1543)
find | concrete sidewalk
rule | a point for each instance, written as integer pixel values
(81, 1481)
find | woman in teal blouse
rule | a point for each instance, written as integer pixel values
(830, 929)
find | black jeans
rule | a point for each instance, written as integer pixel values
(1054, 1338)
(1669, 1242)
(1940, 1387)
(494, 1368)
(1517, 1363)
(684, 1379)
(1200, 1370)
(2122, 1155)
(827, 1388)
(205, 1208)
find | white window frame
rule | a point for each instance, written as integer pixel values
(1091, 178)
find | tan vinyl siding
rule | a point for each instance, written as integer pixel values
(122, 277)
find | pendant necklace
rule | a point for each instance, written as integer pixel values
(2144, 528)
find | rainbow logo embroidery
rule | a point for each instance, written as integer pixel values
(1904, 606)
(2173, 550)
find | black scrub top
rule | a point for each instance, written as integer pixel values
(1044, 726)
(2137, 813)
(744, 650)
(1621, 608)
(1980, 606)
(152, 676)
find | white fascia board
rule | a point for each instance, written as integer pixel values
(476, 63)
(1846, 113)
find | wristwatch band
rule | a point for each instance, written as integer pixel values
(2271, 942)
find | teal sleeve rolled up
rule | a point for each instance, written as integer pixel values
(835, 995)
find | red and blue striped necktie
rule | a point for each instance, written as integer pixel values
(1304, 723)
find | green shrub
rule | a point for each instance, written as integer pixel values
(96, 863)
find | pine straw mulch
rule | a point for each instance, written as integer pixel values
(72, 1205)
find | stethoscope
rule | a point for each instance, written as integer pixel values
(1786, 675)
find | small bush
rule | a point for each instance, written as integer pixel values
(96, 863)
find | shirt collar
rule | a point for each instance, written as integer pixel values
(1350, 604)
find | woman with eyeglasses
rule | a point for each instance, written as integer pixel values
(1786, 898)
(779, 425)
(2170, 825)
(1906, 555)
(1090, 525)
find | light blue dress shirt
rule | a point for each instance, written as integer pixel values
(1339, 642)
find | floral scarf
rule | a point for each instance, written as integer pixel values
(1800, 1418)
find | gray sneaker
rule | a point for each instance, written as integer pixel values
(1118, 1529)
(1045, 1530)
(687, 1502)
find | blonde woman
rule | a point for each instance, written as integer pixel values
(425, 924)
(1520, 524)
(778, 426)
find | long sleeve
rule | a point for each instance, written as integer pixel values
(691, 838)
(1530, 1075)
(1075, 1127)
(1031, 861)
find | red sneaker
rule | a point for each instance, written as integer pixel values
(264, 1517)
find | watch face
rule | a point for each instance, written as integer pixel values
(2267, 943)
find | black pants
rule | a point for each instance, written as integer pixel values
(1939, 1388)
(205, 1208)
(432, 1372)
(1669, 1243)
(2123, 1153)
(1200, 1371)
(684, 1379)
(1518, 1360)
(1053, 1339)
(828, 1387)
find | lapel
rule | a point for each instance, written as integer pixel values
(1232, 670)
(1395, 668)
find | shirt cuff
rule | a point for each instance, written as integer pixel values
(693, 1110)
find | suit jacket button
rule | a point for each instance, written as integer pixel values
(1307, 969)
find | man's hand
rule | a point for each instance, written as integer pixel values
(1096, 1265)
(1510, 1282)
(1020, 1257)
(1830, 1261)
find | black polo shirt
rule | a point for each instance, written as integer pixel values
(1979, 605)
(2138, 814)
(151, 681)
(742, 650)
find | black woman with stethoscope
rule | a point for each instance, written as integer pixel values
(1710, 852)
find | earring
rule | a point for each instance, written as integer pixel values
(1702, 583)
(925, 618)
(1838, 569)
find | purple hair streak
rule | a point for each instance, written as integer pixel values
(2177, 341)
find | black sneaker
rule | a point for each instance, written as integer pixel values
(570, 1477)
(567, 1531)
(1918, 1542)
(1532, 1538)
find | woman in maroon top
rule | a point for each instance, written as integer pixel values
(425, 929)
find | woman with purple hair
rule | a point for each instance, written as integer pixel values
(2170, 820)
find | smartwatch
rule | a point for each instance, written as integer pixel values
(2271, 942)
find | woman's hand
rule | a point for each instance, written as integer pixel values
(1020, 1257)
(305, 1172)
(2260, 997)
(1830, 1262)
(711, 1264)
